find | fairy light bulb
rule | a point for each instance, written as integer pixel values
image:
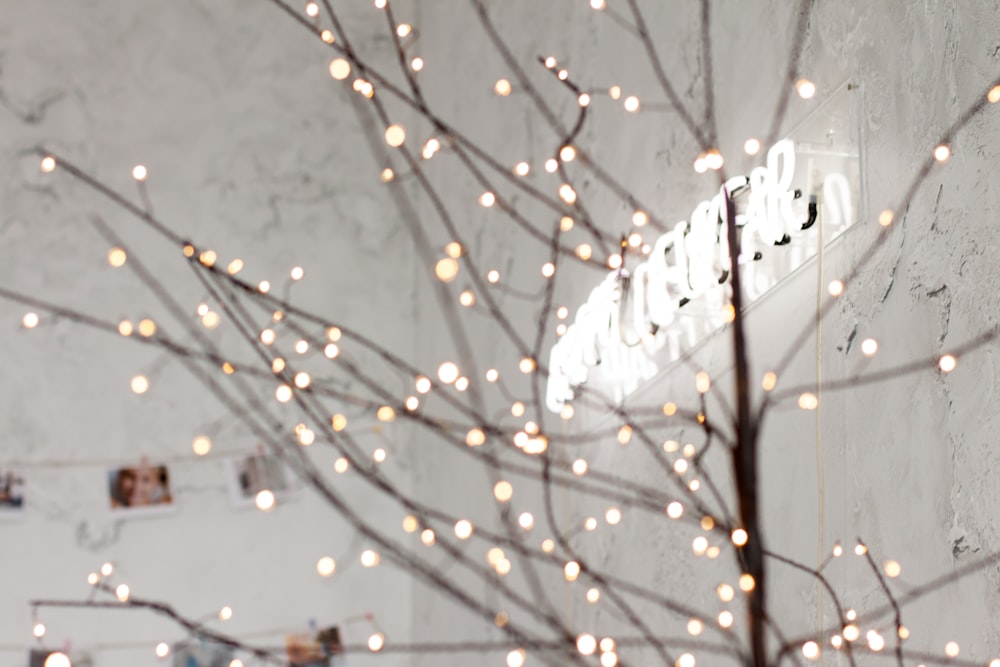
(48, 164)
(725, 619)
(503, 491)
(417, 64)
(30, 320)
(327, 37)
(675, 510)
(613, 516)
(590, 524)
(631, 104)
(810, 650)
(427, 537)
(808, 401)
(516, 658)
(680, 466)
(526, 520)
(338, 422)
(370, 558)
(376, 642)
(283, 393)
(517, 409)
(702, 382)
(312, 9)
(947, 363)
(700, 165)
(117, 257)
(892, 569)
(395, 135)
(580, 467)
(235, 662)
(122, 592)
(567, 153)
(942, 153)
(487, 199)
(162, 650)
(265, 500)
(885, 218)
(502, 87)
(475, 437)
(993, 97)
(739, 537)
(341, 465)
(326, 566)
(225, 613)
(57, 659)
(387, 175)
(583, 99)
(571, 571)
(551, 165)
(584, 251)
(586, 644)
(463, 529)
(210, 320)
(140, 384)
(447, 372)
(139, 172)
(685, 660)
(869, 347)
(567, 193)
(751, 146)
(805, 88)
(746, 583)
(201, 445)
(446, 269)
(526, 365)
(422, 384)
(522, 168)
(147, 328)
(851, 632)
(38, 630)
(835, 288)
(713, 160)
(493, 276)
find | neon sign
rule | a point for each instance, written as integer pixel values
(677, 295)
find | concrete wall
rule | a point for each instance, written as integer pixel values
(254, 151)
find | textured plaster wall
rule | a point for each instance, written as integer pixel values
(252, 150)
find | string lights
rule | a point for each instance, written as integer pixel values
(284, 353)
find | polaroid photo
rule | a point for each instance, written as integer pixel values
(140, 490)
(11, 493)
(201, 652)
(322, 649)
(248, 475)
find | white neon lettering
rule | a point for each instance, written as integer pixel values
(616, 325)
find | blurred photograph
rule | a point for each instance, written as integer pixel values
(201, 653)
(11, 492)
(248, 476)
(142, 488)
(322, 649)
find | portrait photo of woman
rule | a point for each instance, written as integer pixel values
(138, 487)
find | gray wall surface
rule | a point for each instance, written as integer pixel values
(254, 151)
